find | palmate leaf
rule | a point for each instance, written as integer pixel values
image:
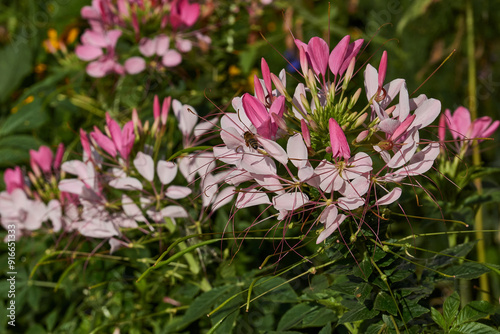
(467, 270)
(475, 310)
(294, 316)
(450, 255)
(474, 328)
(438, 318)
(360, 312)
(384, 302)
(450, 308)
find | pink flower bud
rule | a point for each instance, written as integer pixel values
(13, 179)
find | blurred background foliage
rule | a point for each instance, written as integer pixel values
(45, 98)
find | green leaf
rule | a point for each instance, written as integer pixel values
(358, 290)
(487, 197)
(12, 157)
(28, 117)
(450, 308)
(51, 319)
(358, 313)
(326, 330)
(385, 303)
(294, 316)
(201, 305)
(475, 310)
(276, 290)
(363, 269)
(417, 9)
(474, 328)
(443, 259)
(438, 318)
(412, 310)
(15, 65)
(467, 270)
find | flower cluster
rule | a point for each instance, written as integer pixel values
(122, 182)
(313, 154)
(127, 37)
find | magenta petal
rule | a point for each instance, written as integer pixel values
(247, 198)
(290, 201)
(156, 107)
(266, 75)
(147, 47)
(13, 179)
(382, 68)
(224, 197)
(126, 183)
(461, 121)
(135, 65)
(371, 82)
(113, 36)
(183, 45)
(145, 166)
(162, 44)
(178, 192)
(330, 229)
(42, 158)
(59, 156)
(274, 150)
(352, 51)
(337, 56)
(254, 109)
(72, 186)
(88, 52)
(278, 106)
(95, 38)
(258, 164)
(131, 209)
(350, 203)
(317, 50)
(128, 139)
(297, 151)
(338, 140)
(190, 13)
(171, 58)
(426, 113)
(174, 211)
(491, 129)
(259, 91)
(104, 142)
(390, 197)
(97, 69)
(166, 171)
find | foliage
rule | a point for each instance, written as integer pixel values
(408, 267)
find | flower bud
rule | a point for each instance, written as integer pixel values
(279, 86)
(362, 136)
(361, 119)
(354, 99)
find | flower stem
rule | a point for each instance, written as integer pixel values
(476, 156)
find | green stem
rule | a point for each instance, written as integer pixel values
(476, 156)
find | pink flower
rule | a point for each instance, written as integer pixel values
(41, 159)
(25, 214)
(461, 126)
(261, 117)
(159, 46)
(121, 141)
(183, 13)
(91, 50)
(13, 179)
(338, 141)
